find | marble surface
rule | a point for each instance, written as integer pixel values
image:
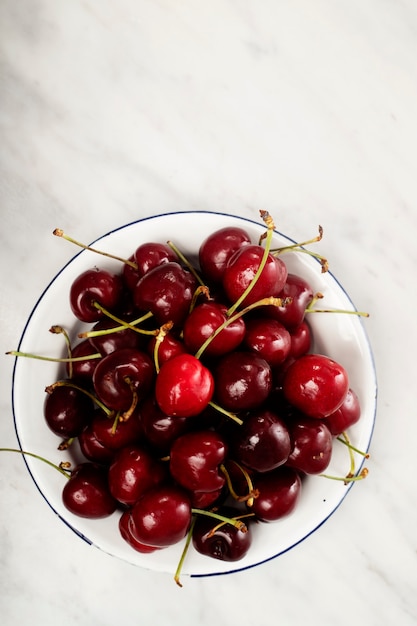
(115, 110)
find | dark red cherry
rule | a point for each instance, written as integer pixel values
(224, 542)
(346, 415)
(134, 470)
(263, 442)
(241, 270)
(195, 460)
(162, 516)
(301, 340)
(168, 348)
(159, 429)
(312, 445)
(151, 254)
(114, 436)
(298, 294)
(92, 286)
(278, 493)
(184, 386)
(127, 531)
(67, 411)
(122, 374)
(92, 448)
(87, 493)
(316, 385)
(269, 339)
(84, 369)
(166, 291)
(243, 381)
(217, 248)
(203, 321)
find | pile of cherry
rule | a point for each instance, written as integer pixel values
(194, 396)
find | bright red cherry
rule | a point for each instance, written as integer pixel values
(241, 270)
(346, 415)
(298, 294)
(203, 321)
(269, 339)
(316, 385)
(184, 386)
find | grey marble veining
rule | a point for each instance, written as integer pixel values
(112, 111)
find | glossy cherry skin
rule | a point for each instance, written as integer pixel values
(166, 291)
(184, 386)
(120, 374)
(67, 411)
(127, 531)
(92, 448)
(134, 470)
(226, 543)
(83, 370)
(217, 248)
(162, 516)
(301, 340)
(151, 254)
(241, 269)
(316, 385)
(269, 339)
(87, 493)
(115, 437)
(312, 445)
(169, 347)
(95, 285)
(298, 293)
(203, 321)
(195, 460)
(346, 415)
(278, 493)
(263, 441)
(243, 381)
(159, 429)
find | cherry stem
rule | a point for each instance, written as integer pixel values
(222, 518)
(59, 330)
(270, 301)
(123, 323)
(74, 359)
(202, 290)
(127, 414)
(348, 479)
(184, 553)
(318, 296)
(66, 383)
(60, 468)
(346, 443)
(268, 240)
(165, 328)
(116, 329)
(186, 262)
(58, 232)
(238, 517)
(253, 493)
(228, 414)
(298, 246)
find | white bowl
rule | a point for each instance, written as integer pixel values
(340, 336)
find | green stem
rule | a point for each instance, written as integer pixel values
(116, 329)
(270, 226)
(222, 518)
(184, 553)
(116, 319)
(59, 330)
(228, 414)
(59, 468)
(96, 355)
(186, 262)
(58, 232)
